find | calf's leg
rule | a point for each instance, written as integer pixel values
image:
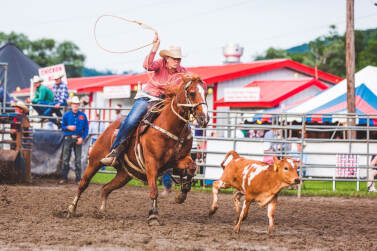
(237, 203)
(216, 186)
(245, 209)
(271, 212)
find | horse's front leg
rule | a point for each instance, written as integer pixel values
(188, 166)
(153, 219)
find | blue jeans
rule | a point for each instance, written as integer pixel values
(139, 109)
(166, 180)
(49, 111)
(68, 144)
(41, 110)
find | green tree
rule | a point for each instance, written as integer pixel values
(272, 53)
(69, 53)
(47, 52)
(369, 55)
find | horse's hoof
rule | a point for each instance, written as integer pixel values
(153, 220)
(71, 209)
(212, 211)
(180, 198)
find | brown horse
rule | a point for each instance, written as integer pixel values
(166, 144)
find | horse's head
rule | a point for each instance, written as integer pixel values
(191, 97)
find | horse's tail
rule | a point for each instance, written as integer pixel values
(234, 155)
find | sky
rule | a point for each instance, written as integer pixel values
(200, 27)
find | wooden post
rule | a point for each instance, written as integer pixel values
(350, 66)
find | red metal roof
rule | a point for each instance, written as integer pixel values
(214, 74)
(79, 83)
(210, 74)
(273, 92)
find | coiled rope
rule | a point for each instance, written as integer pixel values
(126, 20)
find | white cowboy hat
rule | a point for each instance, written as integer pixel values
(59, 75)
(36, 79)
(74, 100)
(21, 105)
(173, 52)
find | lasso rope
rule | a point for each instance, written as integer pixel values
(126, 20)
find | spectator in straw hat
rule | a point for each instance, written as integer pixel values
(75, 127)
(60, 91)
(21, 111)
(165, 72)
(42, 96)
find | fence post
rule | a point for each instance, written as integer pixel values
(368, 150)
(303, 129)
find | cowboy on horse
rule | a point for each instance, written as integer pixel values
(165, 72)
(144, 153)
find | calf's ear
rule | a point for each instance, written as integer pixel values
(276, 161)
(275, 167)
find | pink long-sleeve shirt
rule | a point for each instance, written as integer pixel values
(160, 76)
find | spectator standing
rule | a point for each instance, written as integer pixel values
(118, 112)
(60, 92)
(270, 147)
(42, 96)
(75, 127)
(166, 181)
(95, 129)
(372, 174)
(7, 97)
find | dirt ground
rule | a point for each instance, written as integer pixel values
(33, 217)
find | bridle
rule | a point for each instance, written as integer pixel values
(192, 107)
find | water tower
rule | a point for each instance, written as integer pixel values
(232, 53)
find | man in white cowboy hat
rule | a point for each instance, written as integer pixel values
(75, 127)
(60, 91)
(42, 96)
(165, 72)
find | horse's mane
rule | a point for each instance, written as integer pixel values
(172, 90)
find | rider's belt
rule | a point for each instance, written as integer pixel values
(72, 136)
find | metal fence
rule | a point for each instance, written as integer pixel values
(321, 144)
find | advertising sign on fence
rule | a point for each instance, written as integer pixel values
(346, 165)
(48, 74)
(249, 94)
(113, 92)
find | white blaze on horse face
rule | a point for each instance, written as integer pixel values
(258, 170)
(204, 106)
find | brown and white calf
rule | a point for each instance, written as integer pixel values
(257, 181)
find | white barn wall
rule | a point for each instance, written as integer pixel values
(280, 74)
(301, 95)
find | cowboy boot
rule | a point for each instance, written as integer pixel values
(111, 159)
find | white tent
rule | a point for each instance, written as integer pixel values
(366, 76)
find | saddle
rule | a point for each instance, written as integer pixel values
(154, 109)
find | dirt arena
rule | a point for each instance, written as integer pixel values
(33, 217)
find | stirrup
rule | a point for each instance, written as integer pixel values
(110, 158)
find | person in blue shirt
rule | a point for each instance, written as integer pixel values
(7, 97)
(75, 127)
(60, 91)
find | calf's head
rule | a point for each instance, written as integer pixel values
(287, 170)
